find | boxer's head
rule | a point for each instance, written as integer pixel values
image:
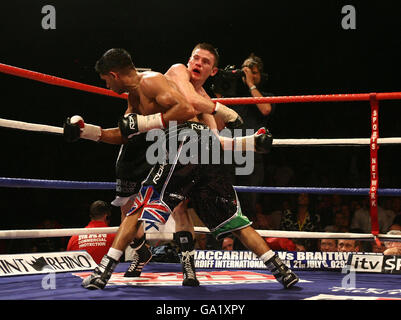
(203, 62)
(113, 67)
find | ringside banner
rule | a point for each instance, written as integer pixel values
(37, 263)
(378, 263)
(248, 260)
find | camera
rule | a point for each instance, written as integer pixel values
(226, 81)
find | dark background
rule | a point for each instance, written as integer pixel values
(302, 43)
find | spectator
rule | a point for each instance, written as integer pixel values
(48, 244)
(200, 241)
(301, 245)
(228, 243)
(345, 245)
(341, 220)
(274, 220)
(301, 220)
(354, 205)
(393, 247)
(283, 244)
(261, 220)
(96, 245)
(328, 245)
(394, 251)
(375, 248)
(396, 225)
(396, 205)
(274, 216)
(328, 210)
(204, 241)
(254, 83)
(284, 174)
(324, 210)
(361, 219)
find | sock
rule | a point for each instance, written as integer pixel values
(267, 256)
(115, 254)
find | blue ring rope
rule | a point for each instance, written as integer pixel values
(84, 185)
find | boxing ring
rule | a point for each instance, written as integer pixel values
(161, 281)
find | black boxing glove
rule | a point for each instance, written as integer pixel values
(263, 141)
(260, 142)
(132, 124)
(75, 128)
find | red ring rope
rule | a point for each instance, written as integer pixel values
(229, 101)
(56, 81)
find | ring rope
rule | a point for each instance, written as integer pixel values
(37, 76)
(91, 185)
(53, 233)
(26, 126)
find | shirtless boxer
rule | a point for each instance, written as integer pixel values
(153, 93)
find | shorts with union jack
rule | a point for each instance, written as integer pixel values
(209, 187)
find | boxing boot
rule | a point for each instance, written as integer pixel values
(281, 272)
(142, 256)
(186, 244)
(101, 275)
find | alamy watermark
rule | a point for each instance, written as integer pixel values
(348, 22)
(349, 280)
(194, 146)
(49, 280)
(49, 20)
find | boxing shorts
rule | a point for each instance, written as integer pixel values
(185, 175)
(131, 168)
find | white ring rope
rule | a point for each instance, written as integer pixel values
(277, 142)
(53, 233)
(29, 126)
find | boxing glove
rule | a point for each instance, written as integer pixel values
(260, 142)
(132, 123)
(231, 119)
(263, 141)
(75, 128)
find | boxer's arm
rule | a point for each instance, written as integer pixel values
(180, 75)
(176, 107)
(209, 120)
(202, 103)
(173, 106)
(112, 136)
(75, 128)
(260, 142)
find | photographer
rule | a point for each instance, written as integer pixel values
(249, 81)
